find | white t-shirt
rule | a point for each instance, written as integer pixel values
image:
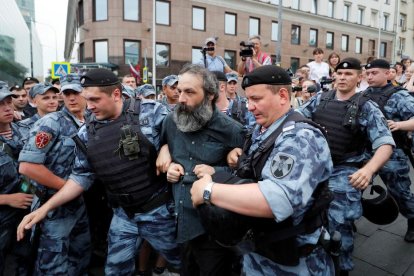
(318, 70)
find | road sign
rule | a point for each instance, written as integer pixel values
(60, 69)
(145, 74)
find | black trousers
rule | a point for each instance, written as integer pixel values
(203, 256)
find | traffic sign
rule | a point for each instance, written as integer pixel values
(60, 69)
(145, 74)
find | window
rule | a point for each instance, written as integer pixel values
(275, 31)
(344, 43)
(81, 52)
(162, 52)
(230, 23)
(371, 47)
(162, 12)
(100, 10)
(295, 4)
(131, 51)
(383, 49)
(329, 40)
(100, 48)
(131, 10)
(80, 13)
(347, 9)
(387, 2)
(331, 9)
(196, 54)
(358, 45)
(294, 64)
(230, 58)
(313, 37)
(385, 22)
(360, 15)
(401, 45)
(254, 26)
(374, 19)
(199, 18)
(403, 22)
(314, 8)
(295, 35)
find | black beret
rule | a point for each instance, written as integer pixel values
(220, 75)
(349, 63)
(378, 63)
(30, 79)
(267, 74)
(99, 77)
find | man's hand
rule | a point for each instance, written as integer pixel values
(197, 190)
(361, 178)
(17, 116)
(30, 220)
(201, 170)
(163, 160)
(174, 172)
(394, 126)
(233, 157)
(20, 200)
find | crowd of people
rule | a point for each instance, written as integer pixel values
(214, 183)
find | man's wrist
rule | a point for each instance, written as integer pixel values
(243, 59)
(207, 192)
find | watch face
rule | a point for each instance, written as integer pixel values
(206, 196)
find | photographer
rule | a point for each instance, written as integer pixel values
(210, 60)
(253, 59)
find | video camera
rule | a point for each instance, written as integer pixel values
(247, 50)
(324, 81)
(206, 49)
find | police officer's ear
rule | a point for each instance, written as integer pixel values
(117, 94)
(284, 95)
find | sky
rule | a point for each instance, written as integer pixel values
(51, 28)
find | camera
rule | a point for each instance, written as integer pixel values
(297, 89)
(247, 50)
(325, 80)
(206, 49)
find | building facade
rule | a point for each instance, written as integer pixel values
(121, 32)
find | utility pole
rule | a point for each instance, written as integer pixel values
(31, 47)
(379, 31)
(278, 61)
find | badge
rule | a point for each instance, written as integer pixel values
(42, 139)
(282, 165)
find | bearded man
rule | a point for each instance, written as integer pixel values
(198, 137)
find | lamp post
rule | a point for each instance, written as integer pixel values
(278, 60)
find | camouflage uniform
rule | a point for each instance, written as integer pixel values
(289, 193)
(26, 124)
(9, 216)
(248, 118)
(346, 206)
(64, 246)
(126, 234)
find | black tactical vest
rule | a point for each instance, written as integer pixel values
(340, 119)
(129, 183)
(239, 110)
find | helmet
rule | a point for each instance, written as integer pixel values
(382, 209)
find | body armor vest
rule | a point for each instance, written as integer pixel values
(238, 111)
(340, 119)
(129, 182)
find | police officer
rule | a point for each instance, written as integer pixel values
(147, 92)
(47, 158)
(118, 146)
(12, 200)
(398, 108)
(45, 98)
(351, 121)
(169, 87)
(297, 162)
(27, 84)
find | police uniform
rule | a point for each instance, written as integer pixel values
(64, 245)
(10, 184)
(370, 126)
(395, 173)
(298, 162)
(169, 81)
(141, 210)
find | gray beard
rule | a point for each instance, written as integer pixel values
(192, 119)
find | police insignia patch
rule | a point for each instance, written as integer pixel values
(282, 165)
(42, 139)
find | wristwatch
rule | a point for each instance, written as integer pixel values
(207, 192)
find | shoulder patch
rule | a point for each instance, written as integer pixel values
(281, 165)
(42, 139)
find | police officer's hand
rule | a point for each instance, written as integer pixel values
(174, 172)
(361, 178)
(30, 220)
(163, 160)
(20, 200)
(233, 157)
(197, 189)
(394, 126)
(201, 170)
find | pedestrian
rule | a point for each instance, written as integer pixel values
(169, 87)
(258, 58)
(211, 60)
(318, 69)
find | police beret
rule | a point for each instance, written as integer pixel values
(99, 77)
(41, 88)
(378, 63)
(267, 74)
(15, 87)
(31, 79)
(220, 75)
(170, 80)
(349, 63)
(70, 82)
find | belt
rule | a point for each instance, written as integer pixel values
(151, 204)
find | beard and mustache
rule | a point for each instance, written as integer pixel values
(190, 119)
